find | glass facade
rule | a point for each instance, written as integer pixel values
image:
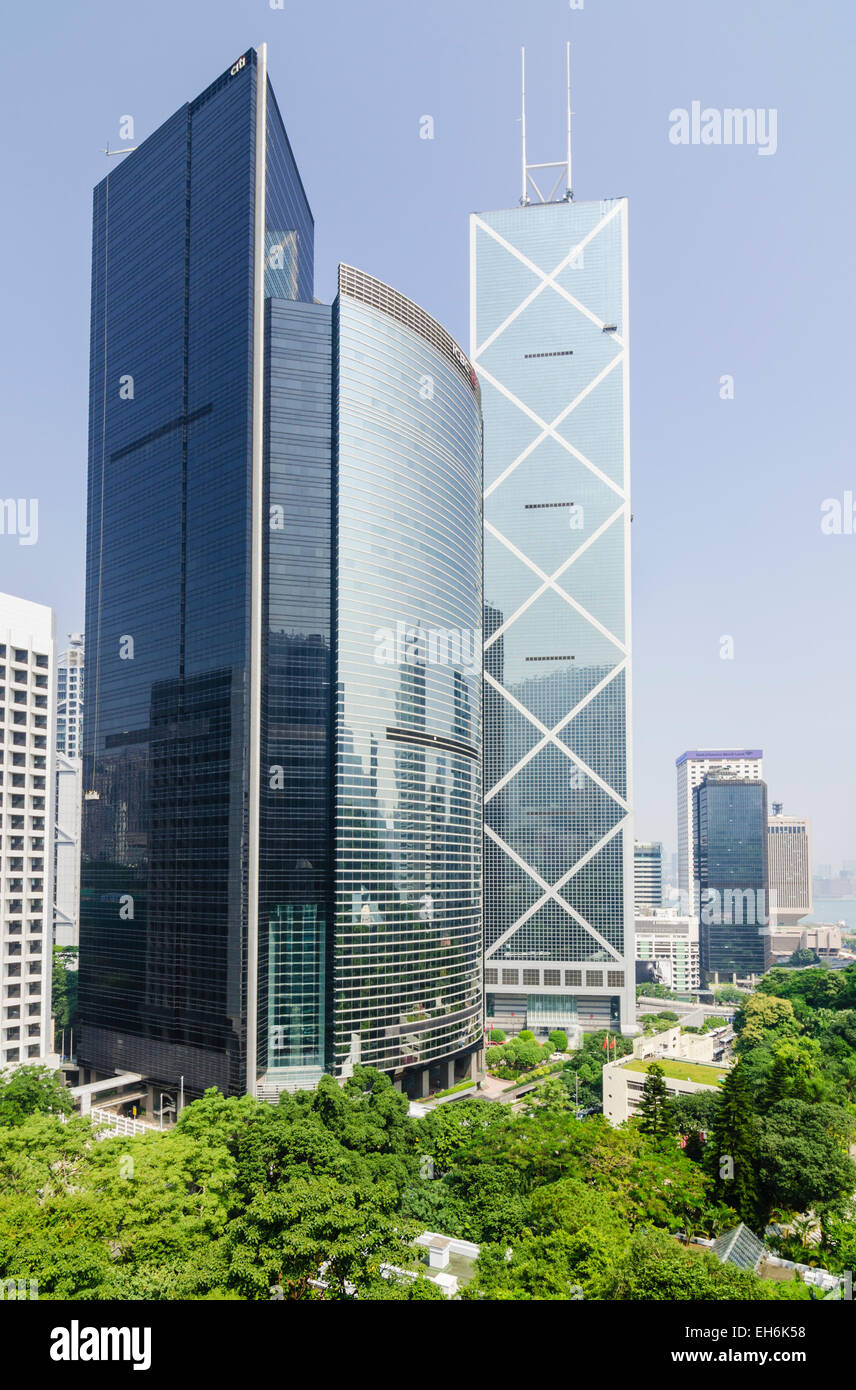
(408, 686)
(731, 870)
(549, 314)
(164, 910)
(281, 866)
(295, 851)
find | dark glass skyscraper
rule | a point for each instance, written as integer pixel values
(280, 850)
(731, 870)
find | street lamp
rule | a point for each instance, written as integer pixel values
(169, 1108)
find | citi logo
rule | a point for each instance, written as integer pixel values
(241, 63)
(76, 1343)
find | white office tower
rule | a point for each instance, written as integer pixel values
(647, 874)
(69, 697)
(27, 732)
(693, 766)
(549, 287)
(789, 867)
(668, 942)
(69, 805)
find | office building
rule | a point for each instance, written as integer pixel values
(692, 767)
(69, 806)
(730, 820)
(648, 874)
(789, 859)
(69, 792)
(281, 869)
(668, 943)
(549, 339)
(69, 697)
(27, 732)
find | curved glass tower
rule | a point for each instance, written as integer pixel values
(408, 685)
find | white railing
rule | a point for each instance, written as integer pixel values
(119, 1124)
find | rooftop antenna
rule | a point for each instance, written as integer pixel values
(128, 149)
(564, 166)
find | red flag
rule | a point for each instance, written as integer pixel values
(606, 1042)
(612, 1044)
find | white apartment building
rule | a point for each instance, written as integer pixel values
(692, 767)
(27, 813)
(789, 867)
(671, 941)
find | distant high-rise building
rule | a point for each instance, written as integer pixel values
(69, 792)
(648, 874)
(692, 767)
(549, 335)
(69, 697)
(282, 758)
(732, 875)
(789, 859)
(27, 734)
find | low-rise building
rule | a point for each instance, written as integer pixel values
(687, 1060)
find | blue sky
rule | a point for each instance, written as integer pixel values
(740, 264)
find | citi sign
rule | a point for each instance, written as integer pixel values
(241, 63)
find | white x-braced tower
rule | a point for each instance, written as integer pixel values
(549, 324)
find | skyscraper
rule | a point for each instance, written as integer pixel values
(27, 733)
(69, 697)
(281, 867)
(692, 767)
(549, 338)
(730, 819)
(789, 856)
(69, 792)
(648, 874)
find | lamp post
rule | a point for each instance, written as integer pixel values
(169, 1107)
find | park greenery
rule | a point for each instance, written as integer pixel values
(309, 1198)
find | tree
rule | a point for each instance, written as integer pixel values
(656, 1268)
(803, 956)
(496, 1035)
(655, 1118)
(803, 1158)
(559, 1040)
(317, 1229)
(731, 1153)
(32, 1090)
(761, 1013)
(64, 987)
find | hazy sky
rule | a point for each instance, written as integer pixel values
(741, 264)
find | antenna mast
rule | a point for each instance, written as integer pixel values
(564, 166)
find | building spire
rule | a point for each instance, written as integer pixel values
(563, 166)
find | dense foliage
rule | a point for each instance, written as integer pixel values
(308, 1199)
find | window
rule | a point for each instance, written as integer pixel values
(552, 977)
(491, 977)
(510, 977)
(595, 978)
(615, 978)
(531, 977)
(573, 977)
